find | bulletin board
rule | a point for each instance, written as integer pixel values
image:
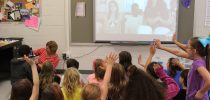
(18, 10)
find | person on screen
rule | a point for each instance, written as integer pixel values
(134, 19)
(157, 15)
(114, 21)
(101, 6)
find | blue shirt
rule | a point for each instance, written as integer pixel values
(176, 77)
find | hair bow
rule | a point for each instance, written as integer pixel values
(204, 41)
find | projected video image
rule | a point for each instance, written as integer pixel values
(142, 17)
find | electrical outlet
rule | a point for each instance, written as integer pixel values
(64, 56)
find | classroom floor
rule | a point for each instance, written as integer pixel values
(5, 86)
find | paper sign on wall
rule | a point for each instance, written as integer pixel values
(29, 0)
(29, 6)
(10, 4)
(33, 23)
(80, 9)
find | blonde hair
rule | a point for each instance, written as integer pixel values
(71, 81)
(91, 92)
(46, 75)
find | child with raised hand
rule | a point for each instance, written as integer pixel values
(174, 68)
(198, 50)
(23, 89)
(109, 61)
(157, 72)
(19, 68)
(99, 71)
(171, 87)
(88, 94)
(35, 90)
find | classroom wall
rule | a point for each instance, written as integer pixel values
(52, 27)
(199, 19)
(86, 53)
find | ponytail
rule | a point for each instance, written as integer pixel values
(206, 44)
(208, 57)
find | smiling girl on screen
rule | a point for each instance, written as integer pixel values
(114, 21)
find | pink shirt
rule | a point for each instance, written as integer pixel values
(172, 87)
(92, 79)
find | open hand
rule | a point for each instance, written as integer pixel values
(152, 49)
(157, 43)
(139, 59)
(174, 37)
(110, 59)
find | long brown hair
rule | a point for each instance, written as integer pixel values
(118, 82)
(208, 57)
(125, 59)
(172, 67)
(201, 50)
(99, 69)
(21, 90)
(141, 86)
(46, 75)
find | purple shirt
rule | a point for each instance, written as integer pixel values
(195, 81)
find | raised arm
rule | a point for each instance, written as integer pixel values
(140, 61)
(178, 63)
(180, 45)
(35, 90)
(172, 87)
(172, 50)
(151, 54)
(109, 61)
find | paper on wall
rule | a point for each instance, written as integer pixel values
(10, 3)
(33, 23)
(29, 6)
(80, 9)
(29, 0)
(12, 15)
(25, 13)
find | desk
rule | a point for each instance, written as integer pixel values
(7, 52)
